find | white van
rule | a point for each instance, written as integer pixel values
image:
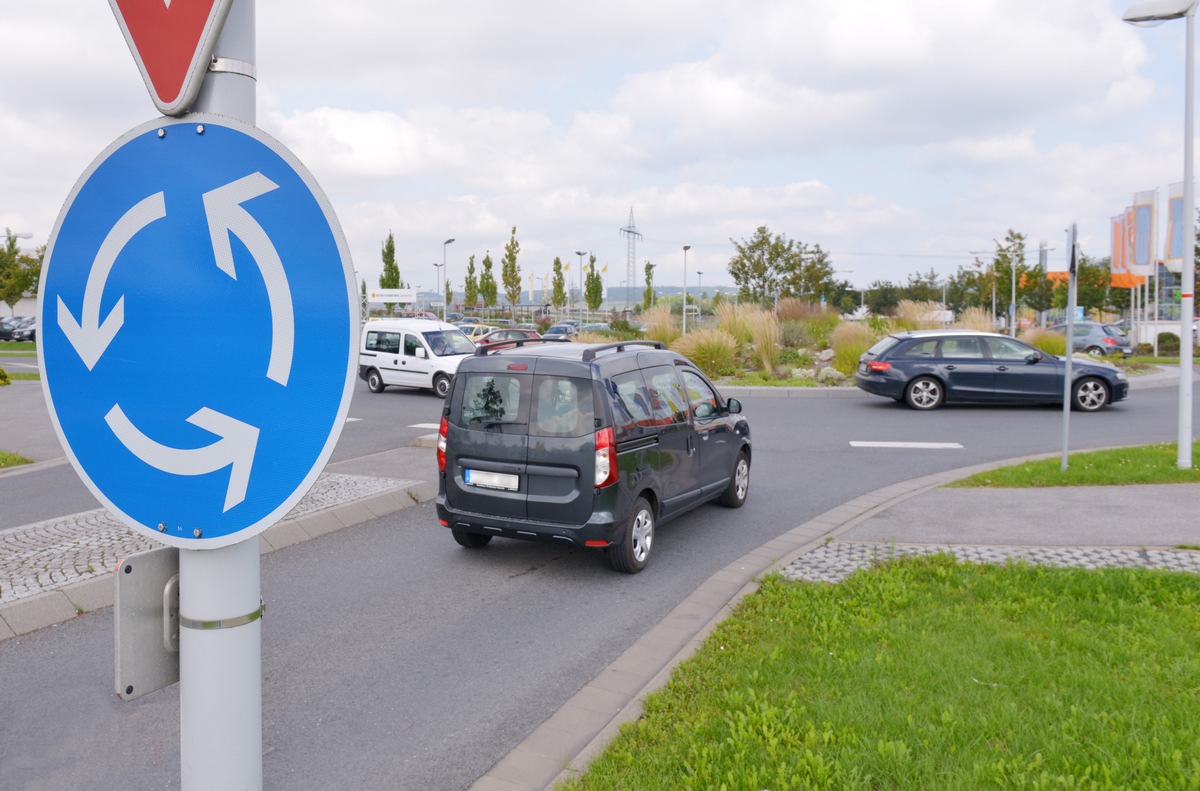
(411, 353)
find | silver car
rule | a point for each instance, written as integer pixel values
(1098, 340)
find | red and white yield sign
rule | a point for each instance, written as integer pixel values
(172, 42)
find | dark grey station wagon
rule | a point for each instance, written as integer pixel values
(590, 445)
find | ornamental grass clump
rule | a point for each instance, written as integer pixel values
(850, 340)
(975, 319)
(714, 351)
(660, 324)
(914, 315)
(4, 380)
(764, 332)
(732, 319)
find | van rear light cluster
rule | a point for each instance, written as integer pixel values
(606, 458)
(443, 429)
(878, 366)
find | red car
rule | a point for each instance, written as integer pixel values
(506, 335)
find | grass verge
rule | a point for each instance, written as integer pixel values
(18, 346)
(28, 377)
(12, 460)
(927, 673)
(1115, 467)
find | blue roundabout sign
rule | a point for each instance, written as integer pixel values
(198, 330)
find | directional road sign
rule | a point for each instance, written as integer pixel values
(198, 328)
(172, 45)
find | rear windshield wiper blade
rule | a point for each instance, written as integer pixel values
(494, 423)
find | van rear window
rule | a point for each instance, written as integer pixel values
(543, 406)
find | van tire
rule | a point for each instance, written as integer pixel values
(375, 381)
(739, 485)
(470, 540)
(441, 385)
(633, 553)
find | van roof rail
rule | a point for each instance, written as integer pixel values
(589, 353)
(482, 350)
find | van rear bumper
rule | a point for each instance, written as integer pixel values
(602, 526)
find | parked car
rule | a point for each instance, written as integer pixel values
(561, 330)
(25, 331)
(590, 445)
(412, 353)
(467, 321)
(1098, 340)
(601, 327)
(508, 335)
(927, 368)
(9, 324)
(477, 331)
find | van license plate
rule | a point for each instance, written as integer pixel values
(491, 480)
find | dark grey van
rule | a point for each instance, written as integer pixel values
(587, 444)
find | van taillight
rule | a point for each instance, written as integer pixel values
(878, 366)
(443, 429)
(606, 458)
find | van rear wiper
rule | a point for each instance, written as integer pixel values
(494, 423)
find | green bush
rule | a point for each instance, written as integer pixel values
(1168, 343)
(625, 330)
(714, 351)
(4, 380)
(792, 334)
(1049, 342)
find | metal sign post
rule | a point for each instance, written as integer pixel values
(1067, 388)
(198, 335)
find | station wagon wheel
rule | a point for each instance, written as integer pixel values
(374, 381)
(1095, 351)
(1090, 395)
(470, 540)
(739, 485)
(632, 554)
(441, 385)
(924, 393)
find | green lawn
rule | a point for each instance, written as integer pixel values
(924, 673)
(1119, 466)
(19, 348)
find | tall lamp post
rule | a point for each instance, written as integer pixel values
(686, 247)
(438, 285)
(1152, 12)
(446, 272)
(581, 255)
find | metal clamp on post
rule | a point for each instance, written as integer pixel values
(233, 66)
(224, 623)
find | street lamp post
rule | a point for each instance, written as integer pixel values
(649, 285)
(446, 272)
(1152, 12)
(581, 255)
(700, 293)
(438, 286)
(686, 247)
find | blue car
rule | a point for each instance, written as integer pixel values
(928, 368)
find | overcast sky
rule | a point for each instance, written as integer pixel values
(900, 135)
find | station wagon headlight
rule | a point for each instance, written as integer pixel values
(1122, 376)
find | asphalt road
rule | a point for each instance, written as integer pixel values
(392, 658)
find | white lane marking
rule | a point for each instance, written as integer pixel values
(353, 419)
(426, 425)
(924, 445)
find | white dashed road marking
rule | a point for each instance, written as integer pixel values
(922, 445)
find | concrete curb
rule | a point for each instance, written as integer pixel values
(53, 607)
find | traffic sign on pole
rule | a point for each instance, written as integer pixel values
(172, 44)
(199, 325)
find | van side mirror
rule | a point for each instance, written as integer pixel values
(421, 352)
(734, 406)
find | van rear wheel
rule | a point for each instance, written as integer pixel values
(470, 540)
(374, 381)
(633, 553)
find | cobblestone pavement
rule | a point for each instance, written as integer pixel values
(834, 561)
(50, 554)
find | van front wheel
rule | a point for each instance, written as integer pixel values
(441, 385)
(374, 381)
